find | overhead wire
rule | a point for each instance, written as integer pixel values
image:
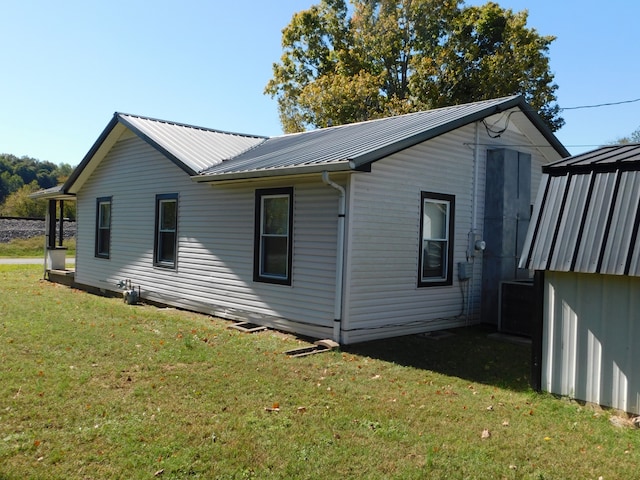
(601, 104)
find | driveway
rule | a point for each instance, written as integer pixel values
(29, 261)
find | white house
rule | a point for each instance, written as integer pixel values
(354, 232)
(583, 244)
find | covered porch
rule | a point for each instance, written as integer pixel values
(55, 252)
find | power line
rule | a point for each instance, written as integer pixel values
(601, 105)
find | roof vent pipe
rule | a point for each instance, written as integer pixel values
(337, 311)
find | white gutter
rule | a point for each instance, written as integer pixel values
(337, 311)
(340, 166)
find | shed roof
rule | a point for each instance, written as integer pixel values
(355, 146)
(586, 217)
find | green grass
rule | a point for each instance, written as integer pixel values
(93, 388)
(31, 247)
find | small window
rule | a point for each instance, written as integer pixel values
(103, 227)
(273, 225)
(166, 230)
(436, 234)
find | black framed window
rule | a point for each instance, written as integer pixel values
(273, 235)
(103, 227)
(436, 239)
(166, 234)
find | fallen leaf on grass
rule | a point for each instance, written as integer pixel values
(274, 408)
(485, 434)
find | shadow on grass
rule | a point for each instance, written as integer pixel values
(468, 353)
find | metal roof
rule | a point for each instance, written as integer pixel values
(52, 193)
(354, 146)
(213, 155)
(196, 147)
(612, 157)
(191, 148)
(587, 216)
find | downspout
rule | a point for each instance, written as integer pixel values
(337, 310)
(473, 234)
(476, 174)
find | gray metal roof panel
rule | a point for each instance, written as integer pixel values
(569, 231)
(616, 251)
(357, 143)
(587, 215)
(197, 148)
(595, 221)
(611, 156)
(52, 193)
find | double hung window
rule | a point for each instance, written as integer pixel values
(273, 243)
(436, 235)
(103, 227)
(166, 235)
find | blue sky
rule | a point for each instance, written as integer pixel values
(68, 65)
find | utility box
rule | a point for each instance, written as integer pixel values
(465, 271)
(506, 219)
(516, 308)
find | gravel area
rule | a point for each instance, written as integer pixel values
(11, 228)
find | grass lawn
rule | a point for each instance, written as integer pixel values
(31, 247)
(92, 388)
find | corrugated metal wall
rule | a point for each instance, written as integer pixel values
(591, 341)
(586, 222)
(382, 297)
(215, 252)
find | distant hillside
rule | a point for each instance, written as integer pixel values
(16, 172)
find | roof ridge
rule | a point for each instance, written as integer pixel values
(186, 125)
(408, 114)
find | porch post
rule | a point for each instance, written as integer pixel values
(537, 330)
(51, 231)
(61, 237)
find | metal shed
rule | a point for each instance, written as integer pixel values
(583, 245)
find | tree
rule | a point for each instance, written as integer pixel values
(634, 137)
(16, 172)
(18, 204)
(387, 57)
(9, 183)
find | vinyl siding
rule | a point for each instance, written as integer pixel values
(590, 347)
(214, 269)
(381, 294)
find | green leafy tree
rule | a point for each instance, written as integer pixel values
(384, 57)
(16, 172)
(9, 183)
(18, 204)
(63, 171)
